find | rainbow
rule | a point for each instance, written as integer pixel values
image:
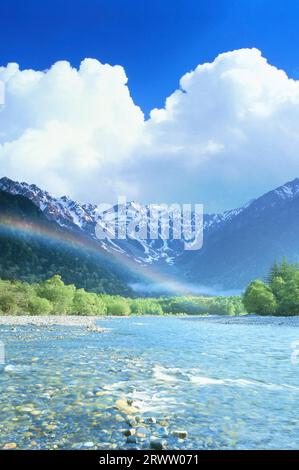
(66, 239)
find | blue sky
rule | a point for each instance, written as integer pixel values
(223, 133)
(156, 41)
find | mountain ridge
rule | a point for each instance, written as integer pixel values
(229, 257)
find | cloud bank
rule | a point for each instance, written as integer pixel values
(66, 129)
(227, 134)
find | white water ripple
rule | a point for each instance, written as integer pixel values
(171, 374)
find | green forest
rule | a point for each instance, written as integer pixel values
(278, 295)
(54, 297)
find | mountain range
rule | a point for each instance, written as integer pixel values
(239, 244)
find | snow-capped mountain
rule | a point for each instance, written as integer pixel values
(85, 217)
(243, 246)
(239, 244)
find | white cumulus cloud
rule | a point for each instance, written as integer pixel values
(228, 133)
(66, 129)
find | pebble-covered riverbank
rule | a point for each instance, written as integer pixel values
(47, 320)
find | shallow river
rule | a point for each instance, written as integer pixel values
(194, 383)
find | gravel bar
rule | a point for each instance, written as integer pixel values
(47, 320)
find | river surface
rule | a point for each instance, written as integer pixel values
(193, 383)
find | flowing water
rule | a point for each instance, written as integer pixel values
(228, 383)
